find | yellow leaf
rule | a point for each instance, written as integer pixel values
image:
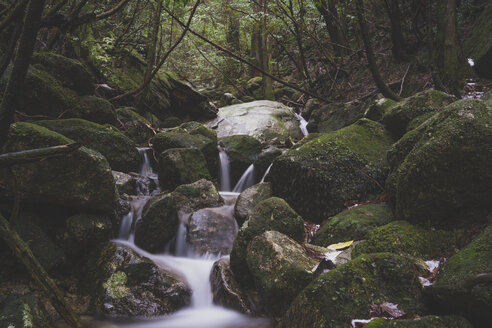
(341, 245)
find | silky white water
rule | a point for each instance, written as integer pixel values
(196, 269)
(246, 180)
(302, 124)
(224, 171)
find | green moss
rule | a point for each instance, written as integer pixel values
(400, 115)
(351, 224)
(188, 191)
(348, 291)
(271, 214)
(115, 285)
(119, 150)
(179, 166)
(378, 108)
(318, 177)
(402, 238)
(93, 109)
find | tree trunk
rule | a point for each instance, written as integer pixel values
(39, 274)
(448, 61)
(393, 10)
(232, 70)
(32, 21)
(371, 60)
(327, 9)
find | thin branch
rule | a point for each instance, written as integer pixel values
(403, 80)
(163, 59)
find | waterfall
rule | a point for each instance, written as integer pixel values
(195, 268)
(246, 180)
(266, 173)
(302, 124)
(224, 170)
(145, 169)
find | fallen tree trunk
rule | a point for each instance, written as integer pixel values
(35, 269)
(34, 155)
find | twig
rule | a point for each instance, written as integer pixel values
(403, 80)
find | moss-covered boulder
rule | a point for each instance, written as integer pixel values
(352, 224)
(136, 127)
(71, 73)
(84, 232)
(194, 196)
(272, 214)
(267, 121)
(478, 43)
(402, 238)
(127, 284)
(42, 94)
(398, 116)
(320, 176)
(464, 283)
(158, 225)
(429, 321)
(242, 150)
(94, 109)
(332, 117)
(24, 311)
(249, 198)
(211, 231)
(280, 269)
(190, 136)
(445, 178)
(179, 166)
(226, 291)
(347, 292)
(265, 159)
(377, 108)
(81, 179)
(126, 183)
(120, 151)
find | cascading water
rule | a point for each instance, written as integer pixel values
(246, 180)
(195, 268)
(224, 170)
(302, 124)
(266, 173)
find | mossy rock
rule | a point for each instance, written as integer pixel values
(445, 178)
(268, 121)
(71, 73)
(94, 109)
(158, 225)
(478, 43)
(120, 151)
(347, 292)
(352, 224)
(194, 196)
(170, 122)
(429, 321)
(24, 311)
(318, 177)
(42, 94)
(127, 284)
(179, 166)
(400, 237)
(398, 116)
(242, 150)
(249, 198)
(280, 268)
(196, 128)
(332, 117)
(203, 140)
(377, 108)
(265, 159)
(136, 127)
(81, 179)
(85, 232)
(271, 214)
(464, 283)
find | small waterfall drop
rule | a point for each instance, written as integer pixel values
(266, 173)
(302, 124)
(224, 171)
(246, 180)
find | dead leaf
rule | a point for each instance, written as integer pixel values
(339, 246)
(367, 213)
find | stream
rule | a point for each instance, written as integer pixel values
(195, 268)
